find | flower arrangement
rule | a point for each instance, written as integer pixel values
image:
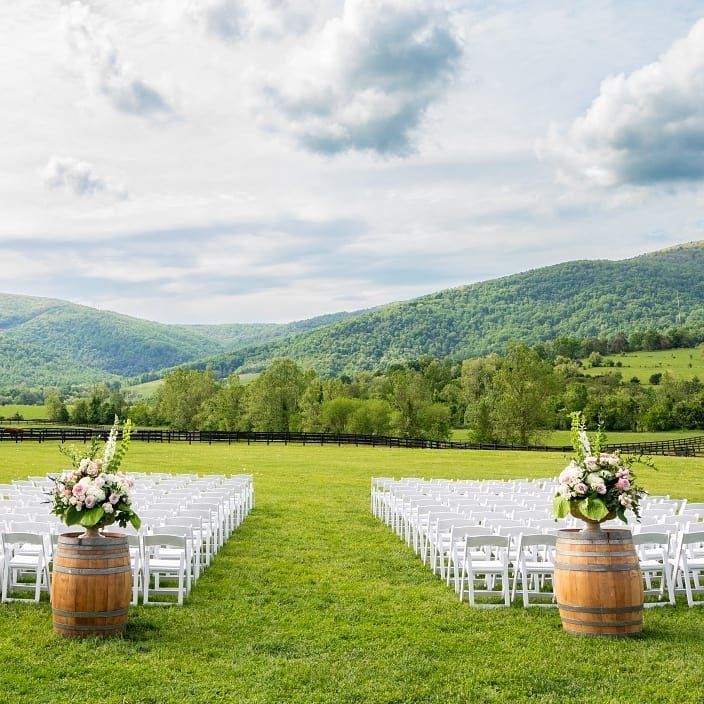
(95, 494)
(596, 486)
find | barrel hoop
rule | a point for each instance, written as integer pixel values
(88, 571)
(602, 624)
(107, 628)
(65, 539)
(90, 614)
(95, 558)
(99, 549)
(569, 567)
(577, 553)
(600, 609)
(593, 541)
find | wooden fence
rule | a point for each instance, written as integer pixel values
(687, 447)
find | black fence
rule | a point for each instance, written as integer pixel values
(685, 447)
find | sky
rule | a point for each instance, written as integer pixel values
(214, 161)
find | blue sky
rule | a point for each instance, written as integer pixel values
(270, 160)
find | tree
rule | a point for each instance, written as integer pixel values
(180, 397)
(520, 390)
(409, 393)
(56, 410)
(336, 413)
(224, 410)
(370, 417)
(273, 398)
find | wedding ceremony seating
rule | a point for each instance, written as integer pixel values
(443, 520)
(192, 515)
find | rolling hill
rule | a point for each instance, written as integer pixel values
(43, 339)
(580, 298)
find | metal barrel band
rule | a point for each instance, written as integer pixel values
(90, 614)
(569, 567)
(94, 558)
(602, 541)
(600, 609)
(88, 543)
(87, 571)
(107, 628)
(577, 553)
(602, 624)
(92, 548)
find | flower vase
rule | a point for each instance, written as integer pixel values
(591, 526)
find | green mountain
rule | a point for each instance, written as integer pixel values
(47, 342)
(44, 339)
(580, 298)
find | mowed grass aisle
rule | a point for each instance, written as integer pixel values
(314, 600)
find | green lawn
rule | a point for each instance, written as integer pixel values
(313, 600)
(27, 412)
(681, 363)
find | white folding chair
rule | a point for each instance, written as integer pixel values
(688, 566)
(490, 565)
(20, 563)
(653, 550)
(534, 568)
(158, 566)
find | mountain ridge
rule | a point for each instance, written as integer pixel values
(580, 298)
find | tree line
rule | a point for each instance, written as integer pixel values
(509, 398)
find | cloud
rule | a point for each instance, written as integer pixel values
(367, 78)
(107, 74)
(79, 177)
(643, 129)
(232, 20)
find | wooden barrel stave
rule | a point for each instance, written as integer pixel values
(91, 585)
(598, 583)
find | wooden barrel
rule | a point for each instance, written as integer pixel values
(91, 585)
(598, 583)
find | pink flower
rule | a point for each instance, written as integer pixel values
(79, 490)
(581, 488)
(600, 488)
(623, 484)
(90, 501)
(114, 498)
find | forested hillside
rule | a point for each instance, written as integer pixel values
(47, 341)
(581, 299)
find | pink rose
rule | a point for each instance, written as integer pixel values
(90, 501)
(581, 488)
(600, 488)
(623, 484)
(114, 498)
(79, 490)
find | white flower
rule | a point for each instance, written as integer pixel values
(108, 508)
(584, 440)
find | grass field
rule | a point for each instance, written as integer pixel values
(27, 412)
(681, 363)
(315, 601)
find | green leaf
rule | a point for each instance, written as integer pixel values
(92, 516)
(560, 507)
(593, 508)
(71, 516)
(135, 521)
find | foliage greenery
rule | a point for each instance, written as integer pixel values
(313, 601)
